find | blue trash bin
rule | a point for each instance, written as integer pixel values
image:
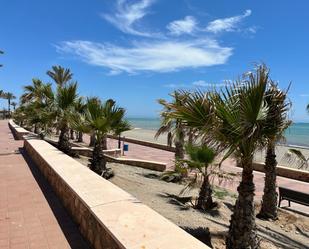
(125, 147)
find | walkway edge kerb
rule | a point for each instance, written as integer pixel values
(107, 216)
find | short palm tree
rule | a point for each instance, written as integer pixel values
(9, 96)
(201, 159)
(37, 101)
(99, 119)
(14, 104)
(171, 125)
(277, 123)
(90, 101)
(235, 120)
(1, 52)
(120, 128)
(64, 108)
(38, 91)
(60, 75)
(80, 107)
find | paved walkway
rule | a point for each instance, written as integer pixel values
(31, 216)
(147, 153)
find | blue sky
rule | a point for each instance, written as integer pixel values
(139, 51)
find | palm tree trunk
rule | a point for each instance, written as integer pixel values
(204, 200)
(71, 134)
(80, 137)
(169, 139)
(92, 140)
(104, 142)
(98, 163)
(179, 144)
(119, 141)
(64, 143)
(36, 129)
(270, 196)
(9, 105)
(242, 230)
(190, 137)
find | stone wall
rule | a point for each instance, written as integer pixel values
(145, 143)
(84, 151)
(17, 131)
(296, 174)
(108, 216)
(158, 166)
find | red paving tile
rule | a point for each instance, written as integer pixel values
(31, 216)
(147, 153)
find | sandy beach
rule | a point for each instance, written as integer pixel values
(281, 150)
(164, 198)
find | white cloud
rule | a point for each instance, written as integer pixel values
(202, 83)
(176, 86)
(305, 95)
(184, 26)
(155, 56)
(198, 84)
(128, 14)
(226, 24)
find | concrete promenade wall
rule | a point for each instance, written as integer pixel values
(296, 174)
(17, 131)
(108, 216)
(145, 143)
(158, 166)
(114, 155)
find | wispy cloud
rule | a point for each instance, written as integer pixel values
(197, 84)
(184, 26)
(154, 52)
(176, 86)
(156, 56)
(226, 24)
(203, 83)
(128, 14)
(304, 95)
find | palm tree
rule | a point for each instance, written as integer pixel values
(90, 101)
(37, 101)
(171, 125)
(277, 123)
(120, 128)
(14, 104)
(99, 119)
(80, 108)
(200, 159)
(9, 96)
(234, 119)
(60, 75)
(65, 100)
(1, 52)
(35, 92)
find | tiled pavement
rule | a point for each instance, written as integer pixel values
(31, 216)
(147, 153)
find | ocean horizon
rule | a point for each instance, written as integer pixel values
(297, 134)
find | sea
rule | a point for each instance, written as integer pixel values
(297, 134)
